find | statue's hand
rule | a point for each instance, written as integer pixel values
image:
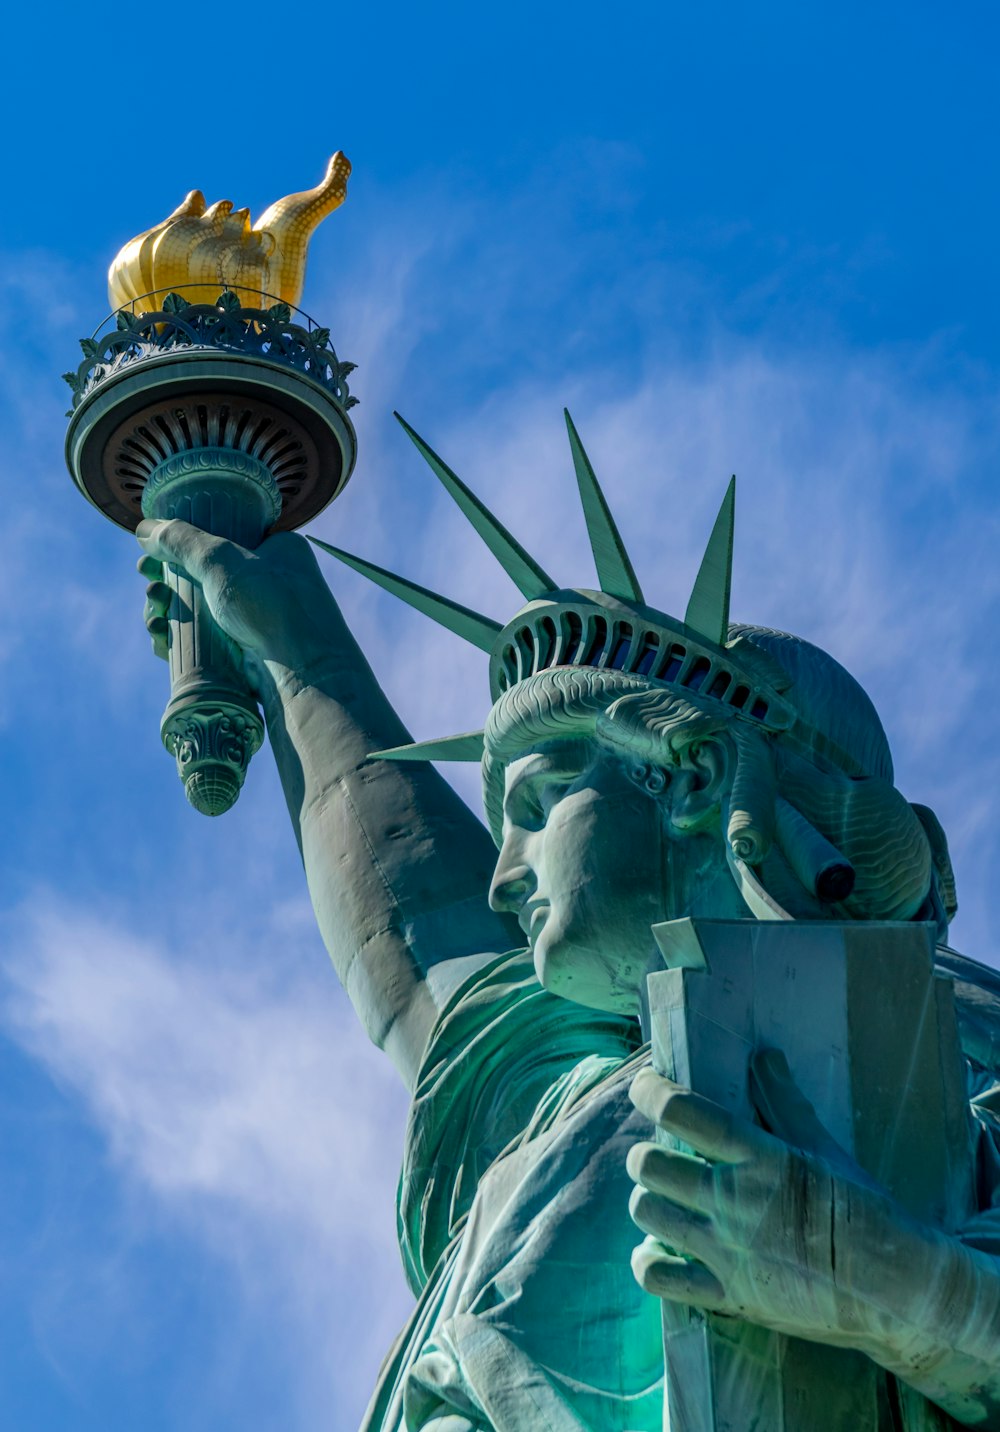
(273, 602)
(792, 1236)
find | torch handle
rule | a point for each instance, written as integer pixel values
(212, 725)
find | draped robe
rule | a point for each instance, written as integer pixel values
(513, 1214)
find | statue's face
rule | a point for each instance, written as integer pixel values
(583, 865)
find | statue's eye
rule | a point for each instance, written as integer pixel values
(551, 791)
(531, 803)
(536, 803)
(533, 812)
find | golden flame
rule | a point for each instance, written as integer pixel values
(214, 247)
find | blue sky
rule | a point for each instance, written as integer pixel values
(730, 237)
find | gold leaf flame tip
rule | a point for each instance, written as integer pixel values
(201, 249)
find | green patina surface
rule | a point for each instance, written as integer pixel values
(638, 770)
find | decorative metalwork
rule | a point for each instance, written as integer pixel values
(185, 469)
(270, 335)
(212, 745)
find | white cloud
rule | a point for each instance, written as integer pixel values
(243, 1101)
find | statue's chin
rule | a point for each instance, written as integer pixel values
(580, 974)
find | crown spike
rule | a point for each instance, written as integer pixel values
(523, 570)
(614, 569)
(471, 626)
(708, 609)
(466, 747)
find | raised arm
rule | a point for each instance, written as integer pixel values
(397, 866)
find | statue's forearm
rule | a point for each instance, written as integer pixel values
(948, 1349)
(397, 866)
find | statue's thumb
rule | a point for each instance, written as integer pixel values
(182, 546)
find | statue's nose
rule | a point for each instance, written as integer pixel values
(513, 883)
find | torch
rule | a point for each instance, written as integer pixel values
(209, 396)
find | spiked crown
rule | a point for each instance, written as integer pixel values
(837, 831)
(614, 629)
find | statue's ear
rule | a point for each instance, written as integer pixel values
(700, 782)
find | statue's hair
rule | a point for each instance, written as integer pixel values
(822, 843)
(555, 705)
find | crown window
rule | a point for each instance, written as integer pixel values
(621, 647)
(595, 647)
(545, 639)
(740, 697)
(759, 709)
(650, 647)
(676, 657)
(573, 628)
(696, 676)
(719, 685)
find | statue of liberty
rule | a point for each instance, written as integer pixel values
(636, 769)
(656, 788)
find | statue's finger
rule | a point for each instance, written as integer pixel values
(150, 567)
(650, 1092)
(184, 546)
(159, 638)
(677, 1176)
(158, 596)
(709, 1129)
(678, 1279)
(679, 1229)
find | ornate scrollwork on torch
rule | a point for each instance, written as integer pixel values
(212, 747)
(268, 333)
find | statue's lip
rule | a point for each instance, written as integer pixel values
(532, 917)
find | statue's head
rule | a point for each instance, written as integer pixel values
(637, 768)
(619, 801)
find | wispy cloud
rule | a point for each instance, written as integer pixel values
(244, 1102)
